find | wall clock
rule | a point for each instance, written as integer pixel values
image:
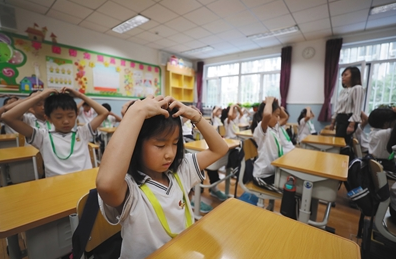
(308, 52)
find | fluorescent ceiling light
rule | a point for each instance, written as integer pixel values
(130, 24)
(203, 49)
(383, 9)
(274, 32)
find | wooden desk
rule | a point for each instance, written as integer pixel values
(15, 154)
(243, 126)
(245, 134)
(327, 132)
(31, 204)
(107, 132)
(323, 143)
(236, 229)
(200, 145)
(317, 174)
(7, 140)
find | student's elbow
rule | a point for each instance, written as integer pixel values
(223, 148)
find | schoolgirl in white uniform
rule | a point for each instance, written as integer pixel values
(231, 119)
(305, 126)
(151, 173)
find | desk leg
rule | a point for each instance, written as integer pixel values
(35, 168)
(13, 247)
(227, 183)
(197, 201)
(305, 202)
(105, 145)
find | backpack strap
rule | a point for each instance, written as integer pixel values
(83, 231)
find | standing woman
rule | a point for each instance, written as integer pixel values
(347, 115)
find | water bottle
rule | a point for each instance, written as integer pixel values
(288, 204)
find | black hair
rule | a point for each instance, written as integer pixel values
(224, 114)
(392, 140)
(380, 117)
(107, 106)
(34, 91)
(85, 104)
(9, 98)
(356, 78)
(151, 127)
(302, 115)
(258, 116)
(61, 100)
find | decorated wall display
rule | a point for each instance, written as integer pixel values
(30, 63)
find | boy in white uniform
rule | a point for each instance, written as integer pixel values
(269, 146)
(64, 150)
(305, 126)
(85, 113)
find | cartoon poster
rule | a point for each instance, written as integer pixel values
(59, 72)
(30, 62)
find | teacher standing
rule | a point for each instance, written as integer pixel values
(347, 115)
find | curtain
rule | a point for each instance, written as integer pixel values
(285, 74)
(199, 76)
(333, 48)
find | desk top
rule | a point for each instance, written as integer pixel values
(8, 137)
(324, 140)
(245, 133)
(236, 229)
(329, 165)
(108, 130)
(201, 145)
(13, 154)
(327, 132)
(243, 125)
(35, 203)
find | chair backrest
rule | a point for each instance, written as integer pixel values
(222, 130)
(40, 165)
(21, 139)
(357, 148)
(101, 229)
(380, 181)
(92, 153)
(250, 148)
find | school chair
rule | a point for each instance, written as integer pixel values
(222, 130)
(357, 148)
(100, 230)
(93, 148)
(250, 149)
(378, 239)
(21, 139)
(383, 224)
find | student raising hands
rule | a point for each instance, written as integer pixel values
(144, 170)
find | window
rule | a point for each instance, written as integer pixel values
(377, 62)
(242, 82)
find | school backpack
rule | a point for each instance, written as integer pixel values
(361, 190)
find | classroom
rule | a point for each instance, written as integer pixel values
(209, 53)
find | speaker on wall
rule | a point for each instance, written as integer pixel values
(7, 17)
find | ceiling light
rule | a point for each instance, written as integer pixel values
(383, 9)
(130, 24)
(203, 49)
(275, 32)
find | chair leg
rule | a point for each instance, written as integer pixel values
(260, 203)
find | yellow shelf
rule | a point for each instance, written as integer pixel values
(179, 83)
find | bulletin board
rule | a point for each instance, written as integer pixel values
(30, 62)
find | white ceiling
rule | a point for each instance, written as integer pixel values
(179, 25)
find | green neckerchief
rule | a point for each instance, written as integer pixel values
(391, 156)
(160, 212)
(71, 148)
(280, 148)
(285, 134)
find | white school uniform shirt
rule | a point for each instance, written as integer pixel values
(350, 100)
(231, 128)
(187, 127)
(34, 122)
(267, 151)
(109, 122)
(216, 121)
(141, 230)
(285, 140)
(86, 117)
(363, 138)
(305, 128)
(26, 118)
(79, 160)
(378, 141)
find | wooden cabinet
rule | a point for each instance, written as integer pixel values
(180, 83)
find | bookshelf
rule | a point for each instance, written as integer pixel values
(180, 83)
